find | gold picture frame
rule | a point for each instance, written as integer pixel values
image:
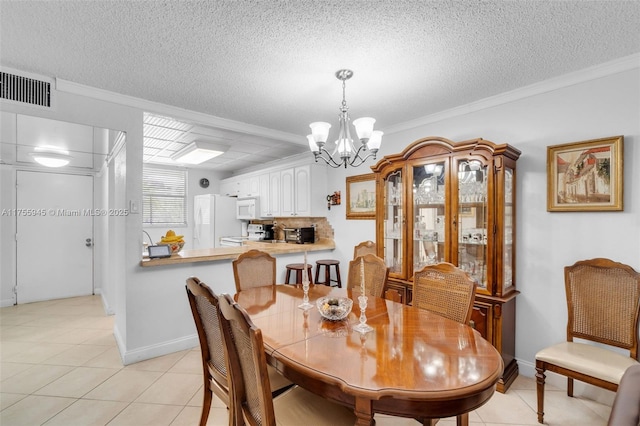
(585, 176)
(361, 196)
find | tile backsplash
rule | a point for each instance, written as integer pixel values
(323, 227)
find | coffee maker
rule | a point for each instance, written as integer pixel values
(268, 232)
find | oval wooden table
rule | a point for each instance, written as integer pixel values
(413, 364)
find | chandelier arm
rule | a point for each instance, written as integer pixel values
(354, 162)
(328, 159)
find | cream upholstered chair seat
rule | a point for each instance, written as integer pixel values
(588, 359)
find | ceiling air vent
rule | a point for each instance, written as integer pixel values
(23, 89)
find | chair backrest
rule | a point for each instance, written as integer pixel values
(254, 268)
(376, 273)
(446, 290)
(249, 379)
(204, 307)
(626, 405)
(365, 247)
(603, 301)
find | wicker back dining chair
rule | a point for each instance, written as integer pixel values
(446, 290)
(254, 268)
(253, 404)
(365, 247)
(603, 304)
(376, 273)
(204, 307)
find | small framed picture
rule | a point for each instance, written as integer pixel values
(585, 176)
(361, 196)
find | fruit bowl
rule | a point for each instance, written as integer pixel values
(334, 308)
(175, 247)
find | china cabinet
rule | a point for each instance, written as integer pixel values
(445, 201)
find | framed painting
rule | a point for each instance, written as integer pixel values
(585, 176)
(361, 196)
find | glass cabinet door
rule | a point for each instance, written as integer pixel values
(472, 220)
(429, 214)
(393, 222)
(507, 243)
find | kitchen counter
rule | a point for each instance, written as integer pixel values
(225, 253)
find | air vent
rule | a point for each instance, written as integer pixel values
(27, 90)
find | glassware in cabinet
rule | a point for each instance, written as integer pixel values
(393, 223)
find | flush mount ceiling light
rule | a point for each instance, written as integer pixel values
(197, 152)
(51, 156)
(369, 138)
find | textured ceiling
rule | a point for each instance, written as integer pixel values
(272, 63)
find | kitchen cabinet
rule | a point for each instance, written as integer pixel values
(445, 201)
(299, 190)
(229, 187)
(298, 196)
(269, 184)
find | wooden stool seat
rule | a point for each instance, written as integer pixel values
(298, 267)
(328, 263)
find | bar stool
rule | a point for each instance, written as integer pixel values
(328, 263)
(298, 267)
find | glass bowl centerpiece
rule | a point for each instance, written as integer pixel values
(334, 308)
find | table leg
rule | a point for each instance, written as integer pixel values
(364, 412)
(462, 419)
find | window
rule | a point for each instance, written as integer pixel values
(164, 196)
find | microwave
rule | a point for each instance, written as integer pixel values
(247, 209)
(300, 235)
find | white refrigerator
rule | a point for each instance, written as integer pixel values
(214, 217)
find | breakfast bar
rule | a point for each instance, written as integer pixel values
(229, 253)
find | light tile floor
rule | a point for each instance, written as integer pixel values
(60, 366)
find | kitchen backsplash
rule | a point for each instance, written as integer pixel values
(323, 227)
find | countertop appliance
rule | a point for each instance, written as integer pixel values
(214, 217)
(269, 233)
(256, 232)
(300, 235)
(247, 208)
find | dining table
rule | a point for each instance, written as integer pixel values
(414, 363)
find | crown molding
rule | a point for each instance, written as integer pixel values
(156, 107)
(598, 71)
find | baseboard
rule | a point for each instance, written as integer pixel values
(153, 351)
(105, 305)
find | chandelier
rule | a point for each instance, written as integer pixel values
(370, 140)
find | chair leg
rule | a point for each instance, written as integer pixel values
(206, 405)
(327, 275)
(317, 272)
(569, 386)
(540, 392)
(338, 276)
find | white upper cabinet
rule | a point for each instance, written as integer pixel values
(293, 191)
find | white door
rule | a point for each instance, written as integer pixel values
(54, 236)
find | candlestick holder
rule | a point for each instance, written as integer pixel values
(305, 305)
(363, 327)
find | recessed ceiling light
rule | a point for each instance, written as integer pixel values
(198, 152)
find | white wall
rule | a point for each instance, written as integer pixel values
(546, 242)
